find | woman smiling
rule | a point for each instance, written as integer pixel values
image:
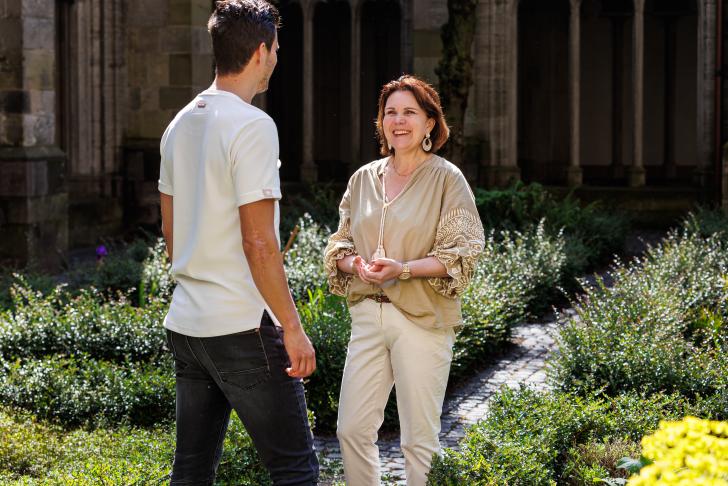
(409, 237)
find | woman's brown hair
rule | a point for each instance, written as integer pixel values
(427, 98)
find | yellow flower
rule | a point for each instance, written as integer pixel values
(692, 452)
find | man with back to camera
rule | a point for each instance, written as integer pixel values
(219, 190)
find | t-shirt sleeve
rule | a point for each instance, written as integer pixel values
(166, 169)
(254, 156)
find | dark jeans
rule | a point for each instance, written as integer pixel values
(246, 372)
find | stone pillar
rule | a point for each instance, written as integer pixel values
(94, 97)
(33, 194)
(706, 93)
(355, 100)
(309, 171)
(574, 174)
(637, 169)
(495, 79)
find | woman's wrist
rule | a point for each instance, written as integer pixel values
(346, 264)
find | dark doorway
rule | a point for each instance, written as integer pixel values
(606, 91)
(332, 88)
(543, 95)
(671, 138)
(381, 62)
(285, 94)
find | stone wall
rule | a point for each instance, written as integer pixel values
(33, 194)
(169, 57)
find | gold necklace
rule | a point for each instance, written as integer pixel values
(410, 172)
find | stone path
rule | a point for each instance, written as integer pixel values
(523, 365)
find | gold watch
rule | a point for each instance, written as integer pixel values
(405, 272)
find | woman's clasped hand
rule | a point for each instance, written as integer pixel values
(378, 271)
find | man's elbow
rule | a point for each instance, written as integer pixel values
(259, 249)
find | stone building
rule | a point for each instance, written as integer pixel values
(619, 98)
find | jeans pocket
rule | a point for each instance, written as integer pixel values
(245, 380)
(240, 359)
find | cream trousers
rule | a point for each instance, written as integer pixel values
(387, 349)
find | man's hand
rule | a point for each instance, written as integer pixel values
(300, 352)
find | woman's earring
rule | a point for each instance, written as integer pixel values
(427, 143)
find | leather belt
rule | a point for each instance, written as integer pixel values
(380, 298)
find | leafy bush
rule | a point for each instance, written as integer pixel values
(320, 201)
(691, 451)
(36, 453)
(596, 461)
(85, 360)
(516, 276)
(706, 222)
(531, 439)
(659, 328)
(78, 389)
(57, 323)
(304, 262)
(592, 234)
(326, 319)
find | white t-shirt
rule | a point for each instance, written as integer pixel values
(218, 153)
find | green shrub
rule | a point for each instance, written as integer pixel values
(660, 327)
(138, 271)
(35, 453)
(516, 277)
(707, 222)
(79, 389)
(531, 439)
(592, 234)
(596, 460)
(56, 323)
(304, 262)
(326, 319)
(319, 201)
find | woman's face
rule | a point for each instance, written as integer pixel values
(405, 123)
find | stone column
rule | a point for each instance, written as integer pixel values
(33, 194)
(704, 176)
(495, 80)
(309, 171)
(574, 174)
(355, 100)
(637, 169)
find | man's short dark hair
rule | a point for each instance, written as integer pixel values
(237, 28)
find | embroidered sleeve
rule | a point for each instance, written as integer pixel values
(340, 245)
(459, 241)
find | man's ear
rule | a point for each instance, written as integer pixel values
(262, 52)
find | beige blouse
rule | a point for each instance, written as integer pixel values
(433, 215)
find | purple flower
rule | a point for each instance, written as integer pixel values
(101, 252)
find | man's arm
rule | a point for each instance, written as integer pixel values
(166, 202)
(266, 266)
